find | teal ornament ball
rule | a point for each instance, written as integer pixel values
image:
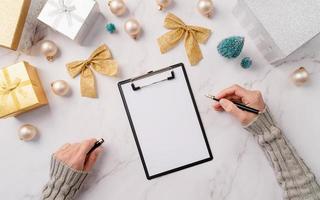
(246, 63)
(111, 28)
(231, 47)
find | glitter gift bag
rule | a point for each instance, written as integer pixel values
(279, 27)
(19, 27)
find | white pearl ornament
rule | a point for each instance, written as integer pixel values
(300, 76)
(117, 7)
(163, 4)
(49, 49)
(27, 132)
(60, 87)
(205, 7)
(132, 27)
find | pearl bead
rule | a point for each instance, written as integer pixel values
(163, 4)
(300, 76)
(132, 27)
(27, 132)
(117, 7)
(49, 49)
(60, 87)
(205, 7)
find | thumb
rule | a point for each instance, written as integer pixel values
(231, 108)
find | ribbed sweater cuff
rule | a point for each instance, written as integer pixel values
(64, 183)
(262, 123)
(71, 177)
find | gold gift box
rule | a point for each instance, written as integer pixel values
(13, 14)
(20, 89)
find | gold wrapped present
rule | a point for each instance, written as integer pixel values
(20, 89)
(13, 14)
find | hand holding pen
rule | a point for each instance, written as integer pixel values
(80, 156)
(248, 98)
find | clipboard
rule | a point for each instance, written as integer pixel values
(165, 121)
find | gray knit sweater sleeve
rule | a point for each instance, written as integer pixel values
(292, 174)
(64, 182)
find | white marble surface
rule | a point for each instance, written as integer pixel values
(239, 169)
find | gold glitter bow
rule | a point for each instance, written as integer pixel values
(9, 88)
(193, 36)
(101, 61)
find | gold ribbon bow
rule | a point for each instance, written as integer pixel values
(193, 36)
(9, 88)
(6, 88)
(101, 61)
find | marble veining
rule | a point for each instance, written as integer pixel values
(239, 169)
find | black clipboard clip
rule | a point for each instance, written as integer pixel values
(135, 88)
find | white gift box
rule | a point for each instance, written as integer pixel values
(279, 27)
(73, 18)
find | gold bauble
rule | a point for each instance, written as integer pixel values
(163, 4)
(49, 49)
(132, 27)
(205, 7)
(60, 87)
(300, 76)
(117, 7)
(27, 132)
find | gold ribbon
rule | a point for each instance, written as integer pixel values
(193, 36)
(101, 61)
(9, 88)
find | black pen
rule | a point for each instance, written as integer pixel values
(96, 145)
(239, 105)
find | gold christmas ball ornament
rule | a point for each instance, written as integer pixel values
(163, 4)
(132, 27)
(117, 7)
(205, 7)
(60, 87)
(27, 132)
(49, 49)
(300, 76)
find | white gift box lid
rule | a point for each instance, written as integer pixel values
(66, 16)
(280, 25)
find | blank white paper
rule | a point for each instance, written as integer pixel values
(165, 122)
